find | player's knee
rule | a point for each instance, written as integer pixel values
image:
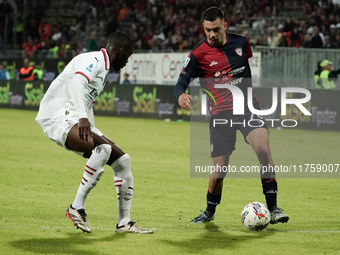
(103, 152)
(116, 153)
(122, 164)
(262, 150)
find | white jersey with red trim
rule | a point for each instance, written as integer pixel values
(70, 93)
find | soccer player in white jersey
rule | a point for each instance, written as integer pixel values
(66, 117)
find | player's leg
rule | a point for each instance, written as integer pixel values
(98, 152)
(123, 179)
(259, 141)
(222, 143)
(214, 192)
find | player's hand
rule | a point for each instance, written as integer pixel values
(184, 101)
(84, 127)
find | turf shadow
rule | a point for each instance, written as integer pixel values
(65, 245)
(213, 238)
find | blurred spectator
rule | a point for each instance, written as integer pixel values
(30, 47)
(289, 25)
(4, 74)
(123, 11)
(325, 75)
(306, 42)
(44, 30)
(126, 79)
(329, 44)
(91, 43)
(26, 72)
(259, 22)
(274, 38)
(332, 32)
(316, 41)
(176, 24)
(264, 40)
(292, 38)
(54, 49)
(57, 33)
(38, 72)
(64, 47)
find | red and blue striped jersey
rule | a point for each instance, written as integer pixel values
(227, 64)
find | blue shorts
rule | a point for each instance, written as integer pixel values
(223, 127)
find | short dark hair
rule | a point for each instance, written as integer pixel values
(120, 39)
(213, 13)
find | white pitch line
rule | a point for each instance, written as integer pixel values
(203, 230)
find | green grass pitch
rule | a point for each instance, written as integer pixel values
(39, 179)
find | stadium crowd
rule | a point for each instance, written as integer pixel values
(174, 24)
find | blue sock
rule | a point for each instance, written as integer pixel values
(270, 191)
(213, 201)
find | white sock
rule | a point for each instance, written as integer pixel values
(124, 187)
(94, 169)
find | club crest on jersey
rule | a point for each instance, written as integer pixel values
(238, 51)
(89, 68)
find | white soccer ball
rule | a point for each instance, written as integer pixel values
(255, 216)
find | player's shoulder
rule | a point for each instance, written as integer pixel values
(232, 38)
(200, 49)
(97, 59)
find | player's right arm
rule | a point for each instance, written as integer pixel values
(189, 70)
(77, 88)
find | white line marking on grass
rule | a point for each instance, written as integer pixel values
(207, 230)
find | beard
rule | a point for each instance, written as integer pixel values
(118, 63)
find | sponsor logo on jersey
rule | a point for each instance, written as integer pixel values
(229, 75)
(238, 51)
(89, 68)
(91, 97)
(213, 63)
(236, 71)
(186, 62)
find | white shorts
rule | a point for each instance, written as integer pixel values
(57, 129)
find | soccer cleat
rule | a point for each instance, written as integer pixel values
(78, 218)
(277, 215)
(131, 227)
(203, 217)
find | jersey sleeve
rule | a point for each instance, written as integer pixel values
(78, 89)
(191, 69)
(87, 66)
(249, 51)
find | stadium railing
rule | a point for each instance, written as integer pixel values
(283, 62)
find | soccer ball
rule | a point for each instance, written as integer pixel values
(255, 216)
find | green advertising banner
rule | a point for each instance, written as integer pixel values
(141, 101)
(158, 102)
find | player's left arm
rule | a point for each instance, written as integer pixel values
(189, 70)
(81, 89)
(77, 88)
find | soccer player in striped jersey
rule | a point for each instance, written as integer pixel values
(66, 117)
(224, 57)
